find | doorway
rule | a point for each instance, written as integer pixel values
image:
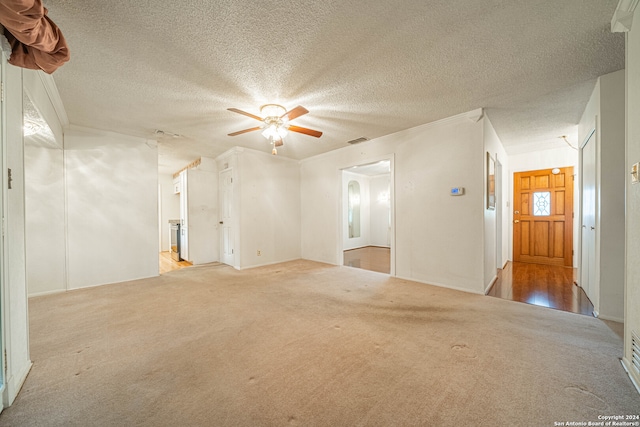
(367, 217)
(543, 216)
(227, 255)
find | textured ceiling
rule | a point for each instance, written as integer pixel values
(372, 169)
(360, 68)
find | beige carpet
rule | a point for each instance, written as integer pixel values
(308, 344)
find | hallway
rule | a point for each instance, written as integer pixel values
(543, 285)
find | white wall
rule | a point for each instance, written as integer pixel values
(439, 238)
(365, 211)
(605, 111)
(169, 209)
(543, 159)
(269, 202)
(612, 203)
(112, 207)
(45, 217)
(14, 310)
(632, 266)
(380, 232)
(202, 187)
(493, 145)
(44, 194)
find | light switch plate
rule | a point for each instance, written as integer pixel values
(634, 173)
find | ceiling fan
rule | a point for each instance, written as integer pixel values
(275, 123)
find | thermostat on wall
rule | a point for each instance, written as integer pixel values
(457, 191)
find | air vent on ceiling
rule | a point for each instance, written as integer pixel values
(635, 352)
(358, 140)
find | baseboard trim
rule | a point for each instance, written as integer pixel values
(613, 319)
(266, 264)
(15, 383)
(367, 246)
(491, 283)
(440, 285)
(42, 294)
(635, 381)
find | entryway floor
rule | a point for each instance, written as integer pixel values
(373, 258)
(544, 285)
(168, 264)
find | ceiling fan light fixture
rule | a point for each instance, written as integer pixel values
(272, 110)
(271, 131)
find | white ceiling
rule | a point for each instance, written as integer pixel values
(360, 68)
(372, 169)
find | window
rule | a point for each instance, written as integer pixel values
(542, 203)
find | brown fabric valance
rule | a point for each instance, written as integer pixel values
(36, 42)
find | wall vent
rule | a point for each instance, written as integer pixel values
(358, 140)
(635, 352)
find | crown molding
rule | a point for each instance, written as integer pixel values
(52, 91)
(623, 16)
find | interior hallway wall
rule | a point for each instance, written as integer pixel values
(434, 231)
(632, 266)
(605, 112)
(379, 210)
(44, 191)
(493, 146)
(112, 207)
(269, 201)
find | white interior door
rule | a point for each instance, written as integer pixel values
(226, 218)
(588, 230)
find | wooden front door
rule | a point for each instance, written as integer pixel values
(543, 216)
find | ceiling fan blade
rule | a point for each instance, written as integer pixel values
(279, 143)
(296, 112)
(306, 131)
(240, 132)
(244, 113)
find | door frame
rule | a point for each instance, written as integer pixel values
(3, 197)
(590, 134)
(499, 214)
(233, 258)
(570, 220)
(392, 209)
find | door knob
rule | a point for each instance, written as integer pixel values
(221, 222)
(516, 212)
(592, 227)
(516, 221)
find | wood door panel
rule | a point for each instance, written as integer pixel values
(526, 241)
(538, 238)
(559, 203)
(541, 238)
(558, 239)
(524, 204)
(542, 181)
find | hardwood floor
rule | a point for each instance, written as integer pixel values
(373, 258)
(168, 264)
(544, 285)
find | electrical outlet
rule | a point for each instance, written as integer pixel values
(259, 252)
